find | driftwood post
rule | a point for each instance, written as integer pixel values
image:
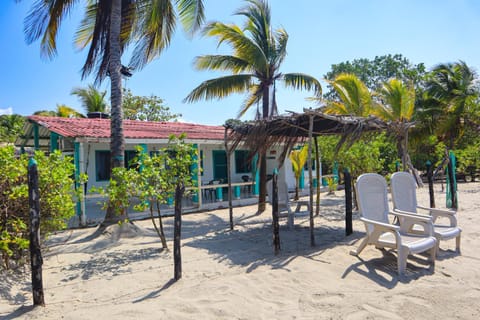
(177, 255)
(310, 177)
(317, 173)
(348, 202)
(430, 183)
(36, 260)
(275, 224)
(451, 177)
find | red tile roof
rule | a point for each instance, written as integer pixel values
(132, 129)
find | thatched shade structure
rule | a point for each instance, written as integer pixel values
(286, 131)
(294, 128)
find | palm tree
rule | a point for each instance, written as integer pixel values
(258, 52)
(62, 111)
(108, 27)
(354, 97)
(397, 108)
(450, 89)
(92, 99)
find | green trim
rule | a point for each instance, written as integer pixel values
(53, 141)
(36, 142)
(76, 157)
(194, 172)
(256, 173)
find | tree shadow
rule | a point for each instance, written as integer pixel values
(20, 311)
(8, 279)
(108, 264)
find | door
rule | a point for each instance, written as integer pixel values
(219, 165)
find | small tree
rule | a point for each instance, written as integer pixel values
(146, 108)
(298, 159)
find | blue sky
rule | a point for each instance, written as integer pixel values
(321, 33)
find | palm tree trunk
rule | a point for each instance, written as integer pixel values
(117, 146)
(263, 159)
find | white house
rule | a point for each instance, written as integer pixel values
(87, 139)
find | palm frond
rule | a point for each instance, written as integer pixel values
(155, 27)
(254, 97)
(43, 21)
(303, 81)
(220, 87)
(191, 13)
(243, 47)
(221, 62)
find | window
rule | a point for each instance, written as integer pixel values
(102, 165)
(305, 167)
(129, 159)
(242, 162)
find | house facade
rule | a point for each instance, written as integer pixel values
(88, 141)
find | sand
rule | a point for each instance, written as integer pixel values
(235, 274)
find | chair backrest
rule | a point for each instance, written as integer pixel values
(372, 197)
(404, 195)
(282, 192)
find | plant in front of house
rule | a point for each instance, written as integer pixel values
(57, 200)
(298, 158)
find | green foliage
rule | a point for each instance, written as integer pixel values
(92, 99)
(11, 127)
(57, 197)
(146, 108)
(379, 70)
(121, 188)
(373, 153)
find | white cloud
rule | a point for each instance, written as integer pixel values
(8, 111)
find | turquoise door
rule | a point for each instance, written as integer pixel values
(219, 165)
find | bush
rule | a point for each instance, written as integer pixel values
(57, 196)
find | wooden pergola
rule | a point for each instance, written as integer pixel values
(287, 131)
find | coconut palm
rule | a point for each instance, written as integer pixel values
(258, 52)
(108, 27)
(450, 89)
(354, 97)
(397, 108)
(62, 111)
(92, 99)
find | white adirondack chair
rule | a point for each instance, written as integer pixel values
(404, 199)
(372, 199)
(283, 200)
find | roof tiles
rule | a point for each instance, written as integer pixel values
(132, 129)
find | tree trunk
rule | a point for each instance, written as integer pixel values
(262, 197)
(310, 178)
(177, 232)
(36, 260)
(117, 143)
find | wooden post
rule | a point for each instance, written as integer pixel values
(36, 260)
(177, 255)
(319, 168)
(229, 178)
(275, 224)
(310, 177)
(451, 177)
(430, 183)
(348, 202)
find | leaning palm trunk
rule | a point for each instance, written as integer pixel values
(117, 146)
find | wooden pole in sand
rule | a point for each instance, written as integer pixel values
(276, 226)
(36, 260)
(177, 231)
(430, 183)
(348, 202)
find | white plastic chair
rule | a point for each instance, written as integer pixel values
(283, 200)
(404, 200)
(372, 199)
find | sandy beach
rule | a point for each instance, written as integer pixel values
(235, 274)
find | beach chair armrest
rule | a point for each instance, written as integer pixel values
(415, 214)
(408, 220)
(435, 213)
(381, 225)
